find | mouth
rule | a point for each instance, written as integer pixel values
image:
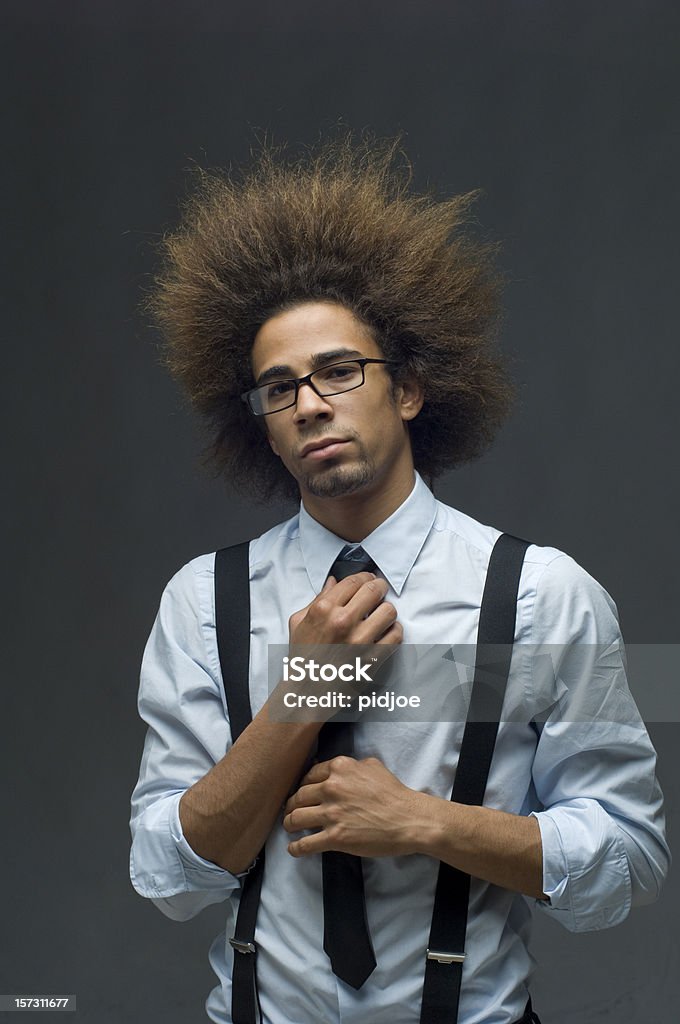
(317, 450)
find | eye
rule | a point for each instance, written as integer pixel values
(280, 388)
(340, 372)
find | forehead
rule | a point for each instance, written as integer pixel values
(294, 336)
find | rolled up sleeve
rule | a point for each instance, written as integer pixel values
(601, 822)
(188, 732)
(585, 867)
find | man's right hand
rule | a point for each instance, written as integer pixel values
(353, 611)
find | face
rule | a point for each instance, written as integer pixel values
(339, 444)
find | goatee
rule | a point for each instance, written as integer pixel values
(337, 481)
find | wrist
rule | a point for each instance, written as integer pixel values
(426, 825)
(283, 709)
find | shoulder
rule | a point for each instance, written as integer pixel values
(570, 605)
(186, 601)
(473, 534)
(196, 577)
(481, 537)
(559, 601)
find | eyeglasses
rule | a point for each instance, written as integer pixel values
(334, 379)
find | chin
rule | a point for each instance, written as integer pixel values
(337, 481)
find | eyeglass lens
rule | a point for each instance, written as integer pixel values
(329, 380)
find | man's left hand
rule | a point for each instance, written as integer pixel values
(357, 807)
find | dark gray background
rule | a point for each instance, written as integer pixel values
(566, 115)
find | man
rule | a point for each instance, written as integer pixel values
(355, 320)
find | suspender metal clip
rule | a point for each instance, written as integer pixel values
(445, 958)
(242, 947)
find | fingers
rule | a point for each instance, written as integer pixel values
(331, 595)
(317, 843)
(350, 584)
(301, 819)
(306, 796)
(311, 790)
(308, 808)
(349, 809)
(363, 608)
(309, 786)
(319, 772)
(302, 810)
(344, 594)
(380, 625)
(393, 635)
(366, 597)
(351, 611)
(341, 606)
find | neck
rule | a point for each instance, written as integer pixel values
(354, 516)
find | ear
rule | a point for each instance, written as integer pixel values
(410, 396)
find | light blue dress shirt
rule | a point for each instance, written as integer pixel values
(591, 784)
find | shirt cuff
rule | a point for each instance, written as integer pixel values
(203, 872)
(163, 864)
(585, 867)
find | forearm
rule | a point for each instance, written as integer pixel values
(501, 848)
(360, 807)
(227, 815)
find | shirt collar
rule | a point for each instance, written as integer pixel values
(393, 546)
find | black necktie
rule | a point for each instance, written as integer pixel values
(346, 939)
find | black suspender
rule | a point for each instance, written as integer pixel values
(445, 953)
(232, 618)
(446, 947)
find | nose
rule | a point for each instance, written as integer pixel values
(311, 405)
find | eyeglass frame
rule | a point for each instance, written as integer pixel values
(307, 379)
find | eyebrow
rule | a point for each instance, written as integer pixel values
(317, 360)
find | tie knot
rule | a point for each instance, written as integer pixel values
(351, 559)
